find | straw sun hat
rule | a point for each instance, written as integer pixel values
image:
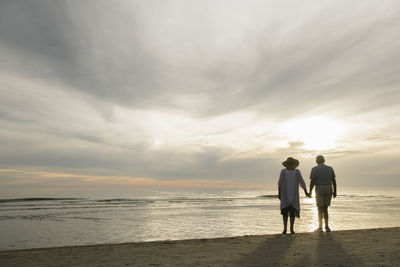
(291, 163)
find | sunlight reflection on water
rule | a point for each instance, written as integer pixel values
(313, 213)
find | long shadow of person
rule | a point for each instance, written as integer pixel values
(330, 252)
(271, 252)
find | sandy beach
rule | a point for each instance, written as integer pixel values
(371, 247)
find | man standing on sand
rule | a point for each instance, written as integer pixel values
(323, 177)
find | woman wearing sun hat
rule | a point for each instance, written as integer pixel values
(288, 192)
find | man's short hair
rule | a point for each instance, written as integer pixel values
(320, 159)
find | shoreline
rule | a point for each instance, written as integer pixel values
(366, 247)
(169, 241)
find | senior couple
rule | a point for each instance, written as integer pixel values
(322, 177)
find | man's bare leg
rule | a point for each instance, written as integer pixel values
(320, 215)
(326, 218)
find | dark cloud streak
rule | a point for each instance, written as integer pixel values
(106, 51)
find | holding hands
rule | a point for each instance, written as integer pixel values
(308, 194)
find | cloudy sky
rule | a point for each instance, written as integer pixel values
(197, 93)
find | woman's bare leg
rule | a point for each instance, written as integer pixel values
(292, 219)
(285, 219)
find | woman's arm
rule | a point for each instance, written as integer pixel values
(280, 183)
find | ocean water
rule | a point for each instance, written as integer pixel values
(173, 215)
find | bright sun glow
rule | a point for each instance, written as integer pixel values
(317, 133)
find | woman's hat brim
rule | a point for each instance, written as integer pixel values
(293, 164)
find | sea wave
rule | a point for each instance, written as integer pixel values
(366, 196)
(268, 196)
(200, 200)
(35, 199)
(124, 200)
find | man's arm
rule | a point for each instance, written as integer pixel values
(334, 187)
(312, 183)
(279, 192)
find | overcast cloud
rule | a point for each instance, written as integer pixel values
(183, 91)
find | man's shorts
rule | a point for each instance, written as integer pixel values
(323, 195)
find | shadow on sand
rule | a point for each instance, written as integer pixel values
(330, 252)
(311, 249)
(277, 245)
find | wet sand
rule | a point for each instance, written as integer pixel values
(370, 247)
